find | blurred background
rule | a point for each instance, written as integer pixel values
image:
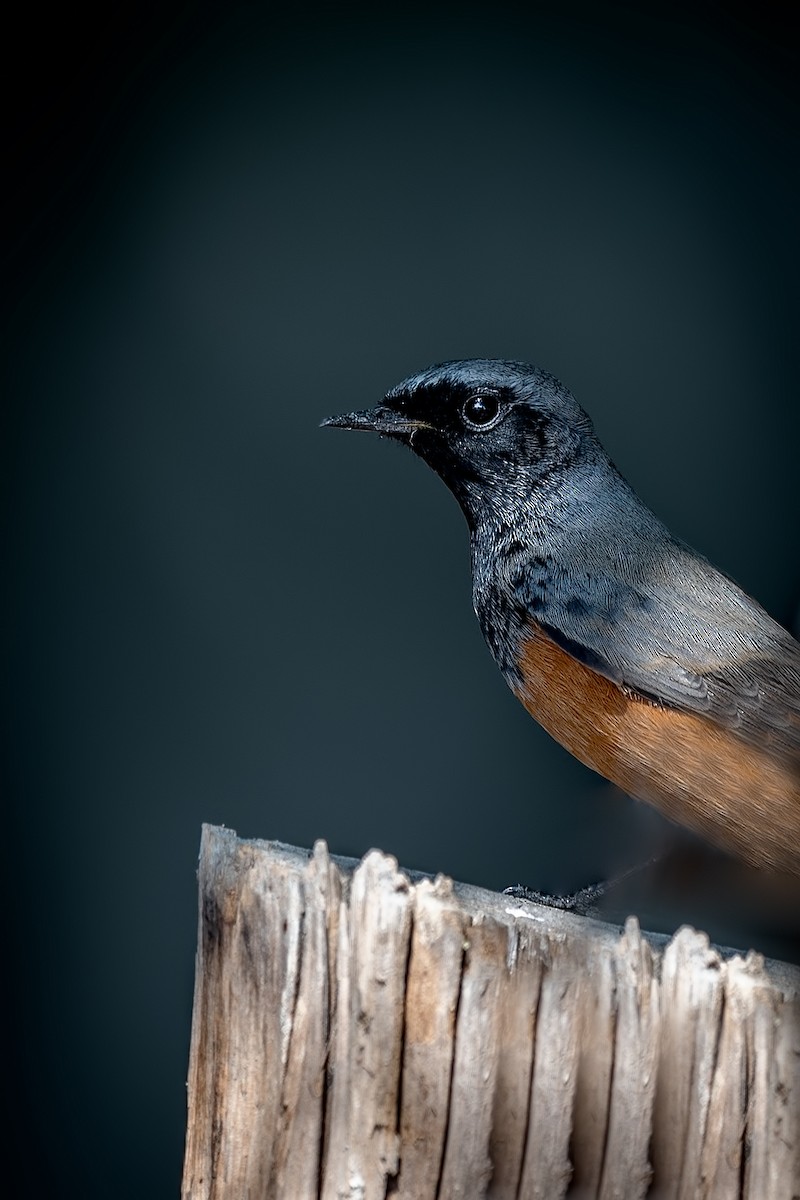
(222, 226)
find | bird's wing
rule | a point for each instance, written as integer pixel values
(715, 653)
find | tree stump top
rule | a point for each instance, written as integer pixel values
(362, 1032)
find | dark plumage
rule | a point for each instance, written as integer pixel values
(563, 549)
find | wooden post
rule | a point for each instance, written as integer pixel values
(357, 1035)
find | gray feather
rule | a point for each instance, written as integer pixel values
(629, 600)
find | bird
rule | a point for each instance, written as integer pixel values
(631, 649)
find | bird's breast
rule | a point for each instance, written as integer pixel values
(698, 773)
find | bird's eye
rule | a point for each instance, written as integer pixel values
(481, 411)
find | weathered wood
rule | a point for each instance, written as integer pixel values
(360, 1033)
(363, 1146)
(432, 991)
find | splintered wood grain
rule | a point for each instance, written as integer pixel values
(467, 1167)
(595, 1072)
(359, 1037)
(772, 1166)
(519, 1002)
(546, 1167)
(626, 1166)
(432, 991)
(362, 1151)
(298, 1136)
(721, 1167)
(784, 1105)
(248, 968)
(342, 1065)
(692, 992)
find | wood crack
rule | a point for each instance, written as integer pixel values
(358, 1036)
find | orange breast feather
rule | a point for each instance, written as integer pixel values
(697, 773)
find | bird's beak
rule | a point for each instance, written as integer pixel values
(378, 420)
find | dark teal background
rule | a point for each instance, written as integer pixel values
(222, 228)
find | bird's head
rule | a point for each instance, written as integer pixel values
(493, 430)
